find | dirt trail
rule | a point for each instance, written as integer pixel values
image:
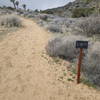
(27, 73)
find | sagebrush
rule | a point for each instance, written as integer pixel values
(10, 21)
(64, 46)
(91, 64)
(90, 26)
(55, 28)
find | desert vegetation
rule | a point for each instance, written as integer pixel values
(16, 4)
(82, 12)
(91, 65)
(55, 28)
(64, 46)
(10, 21)
(8, 24)
(89, 27)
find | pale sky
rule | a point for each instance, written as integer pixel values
(38, 4)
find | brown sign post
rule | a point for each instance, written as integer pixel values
(82, 45)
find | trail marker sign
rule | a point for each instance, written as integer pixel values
(81, 45)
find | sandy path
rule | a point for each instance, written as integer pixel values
(27, 73)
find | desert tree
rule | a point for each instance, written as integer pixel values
(14, 3)
(17, 4)
(24, 6)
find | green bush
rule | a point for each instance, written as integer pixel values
(82, 12)
(47, 12)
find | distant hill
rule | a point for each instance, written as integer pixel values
(78, 8)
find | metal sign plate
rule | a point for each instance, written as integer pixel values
(82, 44)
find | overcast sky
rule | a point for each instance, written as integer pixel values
(38, 4)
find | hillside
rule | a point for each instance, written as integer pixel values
(83, 7)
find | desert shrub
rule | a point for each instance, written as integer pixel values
(36, 10)
(90, 26)
(91, 64)
(10, 21)
(87, 1)
(64, 46)
(44, 17)
(10, 8)
(47, 12)
(82, 12)
(55, 28)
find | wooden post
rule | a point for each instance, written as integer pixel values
(79, 65)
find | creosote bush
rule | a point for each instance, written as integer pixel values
(10, 21)
(91, 64)
(64, 46)
(90, 26)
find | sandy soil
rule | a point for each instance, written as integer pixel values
(27, 73)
